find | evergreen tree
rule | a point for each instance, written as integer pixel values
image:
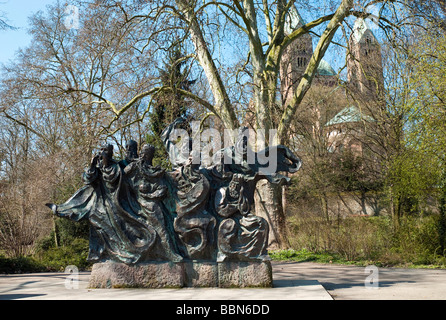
(169, 105)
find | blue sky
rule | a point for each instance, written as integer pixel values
(17, 13)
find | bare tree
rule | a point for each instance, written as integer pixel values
(104, 78)
(52, 118)
(4, 25)
(259, 26)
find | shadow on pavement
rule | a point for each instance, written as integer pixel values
(19, 296)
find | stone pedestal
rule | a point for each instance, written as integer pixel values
(182, 274)
(245, 274)
(200, 274)
(146, 275)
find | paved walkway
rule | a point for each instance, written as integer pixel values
(354, 283)
(292, 281)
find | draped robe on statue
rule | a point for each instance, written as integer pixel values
(115, 233)
(243, 235)
(145, 189)
(194, 224)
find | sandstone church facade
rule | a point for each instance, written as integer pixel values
(357, 97)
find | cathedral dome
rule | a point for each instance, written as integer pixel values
(325, 69)
(349, 114)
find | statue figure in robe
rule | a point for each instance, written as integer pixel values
(146, 188)
(115, 233)
(241, 234)
(190, 188)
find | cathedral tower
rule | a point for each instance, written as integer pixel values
(295, 57)
(364, 63)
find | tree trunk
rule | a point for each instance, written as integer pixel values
(223, 107)
(442, 217)
(394, 212)
(56, 232)
(442, 222)
(268, 205)
(324, 206)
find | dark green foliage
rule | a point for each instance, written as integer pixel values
(49, 259)
(172, 104)
(57, 259)
(161, 156)
(69, 231)
(19, 265)
(169, 105)
(72, 249)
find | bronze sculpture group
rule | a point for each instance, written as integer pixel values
(141, 213)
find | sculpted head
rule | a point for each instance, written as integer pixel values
(106, 150)
(147, 153)
(131, 150)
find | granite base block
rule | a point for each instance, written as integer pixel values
(245, 274)
(146, 275)
(181, 274)
(200, 274)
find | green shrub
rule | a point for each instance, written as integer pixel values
(19, 265)
(69, 230)
(417, 240)
(57, 259)
(365, 239)
(49, 258)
